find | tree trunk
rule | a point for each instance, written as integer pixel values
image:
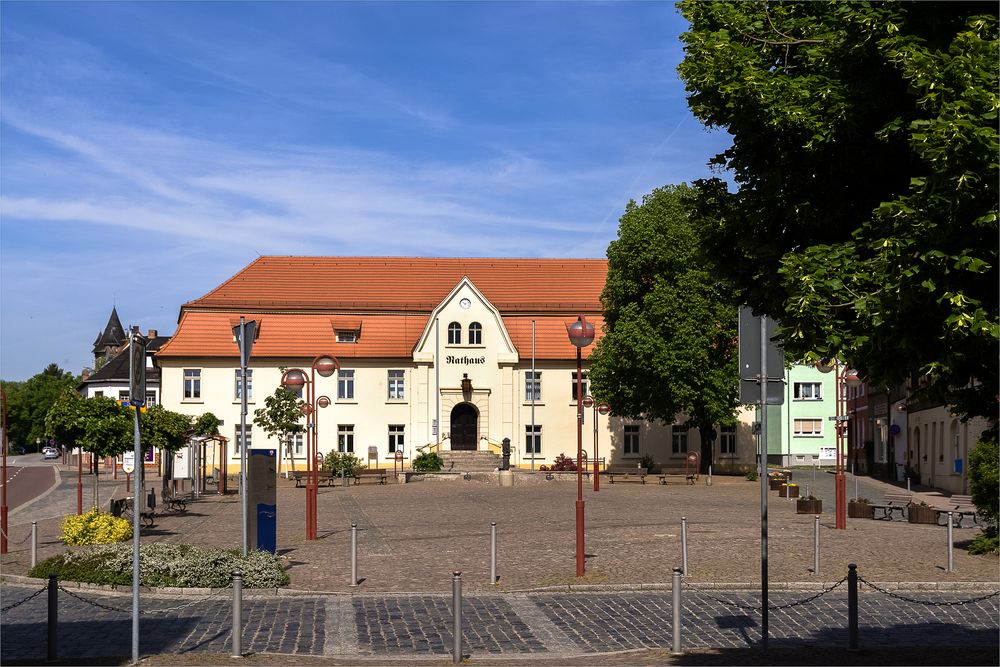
(291, 454)
(707, 433)
(167, 464)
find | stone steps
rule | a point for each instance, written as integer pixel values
(465, 461)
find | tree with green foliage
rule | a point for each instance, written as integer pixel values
(984, 486)
(167, 431)
(280, 418)
(669, 344)
(864, 151)
(29, 401)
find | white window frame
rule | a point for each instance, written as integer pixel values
(586, 381)
(191, 384)
(237, 385)
(397, 437)
(533, 440)
(347, 335)
(799, 431)
(678, 442)
(345, 384)
(727, 440)
(345, 438)
(396, 384)
(532, 386)
(237, 441)
(454, 334)
(631, 440)
(475, 334)
(813, 389)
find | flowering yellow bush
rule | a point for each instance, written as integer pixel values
(95, 527)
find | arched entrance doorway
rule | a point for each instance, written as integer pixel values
(464, 427)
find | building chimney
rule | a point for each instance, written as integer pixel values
(85, 374)
(152, 334)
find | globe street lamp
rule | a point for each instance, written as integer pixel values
(603, 408)
(581, 334)
(842, 379)
(296, 381)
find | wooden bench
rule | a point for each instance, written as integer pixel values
(626, 473)
(961, 507)
(678, 471)
(322, 477)
(173, 501)
(373, 473)
(893, 502)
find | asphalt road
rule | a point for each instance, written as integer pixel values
(27, 482)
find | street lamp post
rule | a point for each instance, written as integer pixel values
(295, 379)
(3, 489)
(603, 408)
(581, 334)
(842, 377)
(79, 482)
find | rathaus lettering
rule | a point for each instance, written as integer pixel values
(465, 360)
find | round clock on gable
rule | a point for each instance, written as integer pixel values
(465, 304)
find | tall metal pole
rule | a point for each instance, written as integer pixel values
(840, 479)
(533, 385)
(79, 480)
(137, 508)
(597, 481)
(579, 463)
(3, 489)
(311, 463)
(244, 502)
(763, 483)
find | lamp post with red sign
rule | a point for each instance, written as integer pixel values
(295, 380)
(581, 334)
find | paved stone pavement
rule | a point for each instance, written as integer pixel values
(412, 536)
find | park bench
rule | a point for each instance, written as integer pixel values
(626, 473)
(322, 477)
(961, 507)
(680, 471)
(893, 502)
(372, 473)
(172, 500)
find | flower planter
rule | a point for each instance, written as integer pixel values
(776, 482)
(921, 514)
(860, 510)
(806, 506)
(788, 491)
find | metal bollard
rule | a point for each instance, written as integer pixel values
(456, 603)
(951, 543)
(675, 611)
(816, 546)
(493, 553)
(684, 544)
(907, 484)
(708, 480)
(53, 623)
(852, 607)
(34, 544)
(343, 477)
(354, 554)
(237, 615)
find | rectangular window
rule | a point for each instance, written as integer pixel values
(239, 385)
(98, 393)
(150, 398)
(631, 440)
(192, 384)
(678, 442)
(727, 440)
(396, 384)
(345, 385)
(237, 441)
(808, 427)
(347, 336)
(533, 439)
(123, 394)
(345, 438)
(396, 437)
(297, 443)
(808, 391)
(573, 397)
(533, 386)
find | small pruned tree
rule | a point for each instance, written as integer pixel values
(280, 418)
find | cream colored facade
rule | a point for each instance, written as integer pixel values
(937, 448)
(497, 406)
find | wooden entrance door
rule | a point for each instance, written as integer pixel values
(464, 427)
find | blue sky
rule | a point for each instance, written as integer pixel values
(151, 150)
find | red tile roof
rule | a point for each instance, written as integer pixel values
(299, 303)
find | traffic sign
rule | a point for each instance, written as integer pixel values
(128, 462)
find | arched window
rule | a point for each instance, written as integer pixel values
(475, 334)
(454, 334)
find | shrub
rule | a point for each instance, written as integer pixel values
(648, 462)
(94, 527)
(984, 475)
(752, 475)
(427, 462)
(336, 462)
(563, 463)
(986, 542)
(162, 564)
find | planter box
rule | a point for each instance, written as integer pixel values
(860, 510)
(921, 514)
(806, 506)
(786, 491)
(776, 482)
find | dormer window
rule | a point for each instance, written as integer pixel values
(454, 334)
(347, 335)
(475, 334)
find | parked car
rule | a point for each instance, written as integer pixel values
(50, 453)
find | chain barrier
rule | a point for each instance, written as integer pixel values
(954, 603)
(770, 607)
(26, 537)
(147, 612)
(18, 604)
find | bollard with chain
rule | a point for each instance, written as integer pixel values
(493, 553)
(684, 544)
(951, 543)
(852, 607)
(354, 554)
(675, 611)
(237, 615)
(34, 544)
(456, 603)
(816, 546)
(53, 624)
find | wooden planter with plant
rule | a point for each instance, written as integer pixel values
(809, 505)
(788, 490)
(860, 508)
(922, 513)
(775, 480)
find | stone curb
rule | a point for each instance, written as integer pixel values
(914, 586)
